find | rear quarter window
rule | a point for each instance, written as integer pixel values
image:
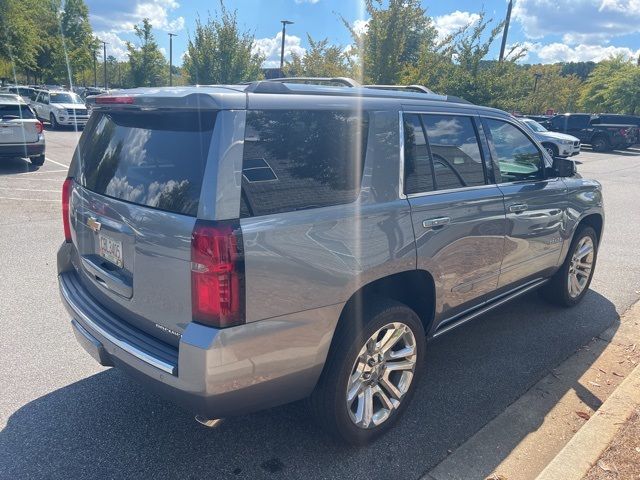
(301, 159)
(154, 159)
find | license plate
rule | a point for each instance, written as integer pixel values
(111, 250)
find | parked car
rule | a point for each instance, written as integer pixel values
(556, 144)
(21, 134)
(615, 119)
(23, 91)
(60, 108)
(601, 137)
(241, 247)
(541, 119)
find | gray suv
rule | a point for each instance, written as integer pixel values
(240, 247)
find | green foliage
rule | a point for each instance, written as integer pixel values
(148, 67)
(319, 60)
(613, 86)
(219, 53)
(394, 37)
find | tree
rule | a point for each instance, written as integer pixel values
(146, 62)
(319, 60)
(219, 53)
(613, 86)
(393, 38)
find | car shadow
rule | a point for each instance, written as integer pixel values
(106, 426)
(11, 166)
(630, 152)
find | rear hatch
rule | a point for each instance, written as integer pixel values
(138, 179)
(18, 124)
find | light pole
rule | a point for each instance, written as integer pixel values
(104, 62)
(171, 35)
(95, 70)
(537, 76)
(284, 32)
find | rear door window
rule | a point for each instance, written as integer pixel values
(15, 111)
(418, 171)
(301, 159)
(455, 151)
(155, 159)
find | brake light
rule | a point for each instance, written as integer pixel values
(217, 274)
(39, 126)
(115, 100)
(66, 222)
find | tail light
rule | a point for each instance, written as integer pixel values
(217, 274)
(127, 100)
(66, 192)
(39, 126)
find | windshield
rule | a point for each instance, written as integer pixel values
(533, 125)
(66, 98)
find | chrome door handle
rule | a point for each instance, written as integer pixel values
(518, 207)
(436, 222)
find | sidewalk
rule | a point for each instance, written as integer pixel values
(528, 436)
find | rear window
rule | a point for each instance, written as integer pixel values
(301, 159)
(155, 159)
(13, 111)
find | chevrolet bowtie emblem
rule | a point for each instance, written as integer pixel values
(94, 224)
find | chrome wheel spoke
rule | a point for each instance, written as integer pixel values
(384, 399)
(584, 250)
(402, 353)
(396, 366)
(388, 385)
(390, 339)
(368, 407)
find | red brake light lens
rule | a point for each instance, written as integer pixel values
(66, 221)
(115, 100)
(217, 274)
(39, 127)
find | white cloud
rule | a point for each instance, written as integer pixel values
(581, 21)
(116, 46)
(270, 48)
(122, 15)
(560, 52)
(452, 22)
(360, 26)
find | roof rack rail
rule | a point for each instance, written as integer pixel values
(345, 81)
(410, 88)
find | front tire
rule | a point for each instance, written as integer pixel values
(600, 144)
(569, 285)
(54, 122)
(371, 372)
(551, 149)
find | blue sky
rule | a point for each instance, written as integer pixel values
(552, 30)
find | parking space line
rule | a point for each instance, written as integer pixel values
(39, 173)
(57, 163)
(29, 199)
(37, 179)
(29, 190)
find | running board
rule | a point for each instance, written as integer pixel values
(486, 307)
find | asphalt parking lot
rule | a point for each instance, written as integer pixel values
(63, 416)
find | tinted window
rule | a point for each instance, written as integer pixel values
(557, 123)
(455, 151)
(418, 174)
(518, 157)
(578, 121)
(15, 111)
(299, 159)
(151, 159)
(65, 98)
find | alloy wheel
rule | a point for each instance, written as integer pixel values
(580, 266)
(381, 375)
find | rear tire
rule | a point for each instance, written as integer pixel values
(37, 161)
(569, 285)
(380, 381)
(600, 144)
(54, 122)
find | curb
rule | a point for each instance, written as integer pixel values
(578, 456)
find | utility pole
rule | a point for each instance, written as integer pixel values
(535, 83)
(284, 32)
(95, 71)
(505, 32)
(171, 35)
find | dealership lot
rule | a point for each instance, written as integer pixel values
(64, 417)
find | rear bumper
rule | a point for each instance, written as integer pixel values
(22, 150)
(214, 372)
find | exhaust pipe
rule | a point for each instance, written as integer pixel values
(209, 422)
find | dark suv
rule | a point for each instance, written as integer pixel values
(239, 247)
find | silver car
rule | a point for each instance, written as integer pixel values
(555, 143)
(21, 134)
(243, 246)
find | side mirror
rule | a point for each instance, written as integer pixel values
(563, 167)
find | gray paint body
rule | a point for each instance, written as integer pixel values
(302, 267)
